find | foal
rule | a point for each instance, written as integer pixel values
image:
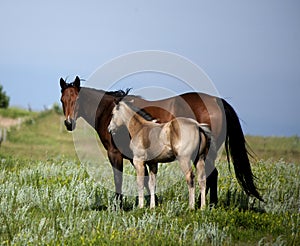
(183, 139)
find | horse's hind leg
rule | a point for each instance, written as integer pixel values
(200, 166)
(212, 184)
(212, 173)
(189, 176)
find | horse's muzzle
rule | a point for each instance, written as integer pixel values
(111, 130)
(70, 124)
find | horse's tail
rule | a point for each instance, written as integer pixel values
(235, 145)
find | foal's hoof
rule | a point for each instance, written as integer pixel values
(147, 199)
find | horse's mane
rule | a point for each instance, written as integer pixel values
(122, 94)
(118, 93)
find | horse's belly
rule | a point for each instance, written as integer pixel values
(166, 155)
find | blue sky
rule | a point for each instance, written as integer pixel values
(249, 49)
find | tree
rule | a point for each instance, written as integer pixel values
(4, 99)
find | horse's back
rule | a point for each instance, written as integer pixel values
(206, 109)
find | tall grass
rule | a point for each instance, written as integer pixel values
(56, 202)
(48, 198)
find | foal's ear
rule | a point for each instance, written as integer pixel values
(76, 83)
(63, 84)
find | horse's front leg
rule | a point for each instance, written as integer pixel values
(116, 161)
(140, 173)
(152, 183)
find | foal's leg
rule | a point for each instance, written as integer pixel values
(140, 172)
(189, 176)
(152, 183)
(200, 166)
(146, 181)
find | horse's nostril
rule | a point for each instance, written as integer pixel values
(70, 124)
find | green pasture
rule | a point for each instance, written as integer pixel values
(48, 198)
(14, 112)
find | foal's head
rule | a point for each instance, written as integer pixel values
(120, 113)
(123, 112)
(69, 95)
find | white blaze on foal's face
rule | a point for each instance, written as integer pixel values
(116, 119)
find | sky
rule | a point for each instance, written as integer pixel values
(249, 49)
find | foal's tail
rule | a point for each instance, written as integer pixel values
(235, 145)
(211, 150)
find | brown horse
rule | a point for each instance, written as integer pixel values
(183, 139)
(96, 106)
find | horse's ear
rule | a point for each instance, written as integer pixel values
(77, 82)
(63, 84)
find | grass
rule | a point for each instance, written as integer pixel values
(41, 136)
(48, 198)
(15, 113)
(286, 148)
(56, 202)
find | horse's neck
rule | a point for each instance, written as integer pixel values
(90, 104)
(133, 121)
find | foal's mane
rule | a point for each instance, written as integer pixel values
(120, 94)
(140, 111)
